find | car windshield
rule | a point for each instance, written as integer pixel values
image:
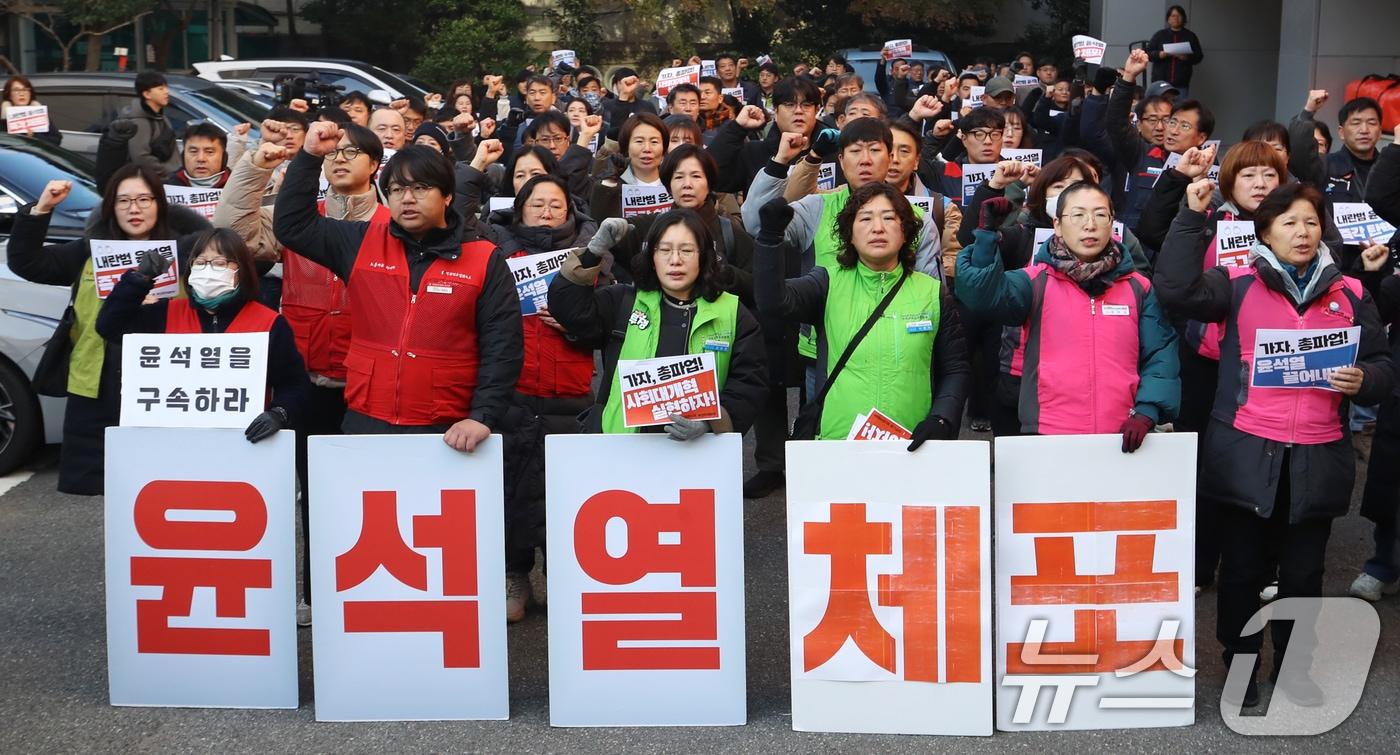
(397, 82)
(228, 101)
(27, 165)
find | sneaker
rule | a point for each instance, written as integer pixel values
(517, 596)
(303, 614)
(763, 483)
(1301, 690)
(1369, 588)
(980, 425)
(1269, 593)
(1251, 695)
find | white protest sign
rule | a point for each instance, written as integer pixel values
(1177, 48)
(199, 529)
(1042, 235)
(1302, 358)
(495, 204)
(925, 204)
(875, 425)
(654, 389)
(826, 176)
(533, 273)
(408, 578)
(201, 200)
(1118, 231)
(671, 77)
(27, 119)
(707, 68)
(889, 587)
(973, 176)
(646, 620)
(1095, 583)
(899, 48)
(1233, 240)
(1357, 222)
(388, 153)
(193, 380)
(1032, 156)
(1023, 82)
(641, 199)
(763, 60)
(1088, 49)
(563, 56)
(974, 99)
(111, 259)
(735, 92)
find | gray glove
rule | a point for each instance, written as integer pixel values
(609, 233)
(152, 265)
(686, 429)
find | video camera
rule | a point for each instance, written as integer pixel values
(318, 94)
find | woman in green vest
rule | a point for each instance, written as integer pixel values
(911, 365)
(677, 305)
(133, 208)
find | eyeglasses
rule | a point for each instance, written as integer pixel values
(218, 263)
(1180, 125)
(982, 135)
(349, 153)
(1154, 120)
(799, 105)
(551, 141)
(1081, 218)
(684, 252)
(418, 190)
(292, 128)
(142, 202)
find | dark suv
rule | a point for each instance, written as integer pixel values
(82, 104)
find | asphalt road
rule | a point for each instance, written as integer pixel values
(53, 676)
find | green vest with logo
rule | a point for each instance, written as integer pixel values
(714, 329)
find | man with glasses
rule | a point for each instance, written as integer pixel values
(736, 148)
(443, 352)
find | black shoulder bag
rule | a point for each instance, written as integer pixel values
(810, 416)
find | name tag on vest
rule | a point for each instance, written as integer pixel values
(919, 326)
(713, 344)
(439, 289)
(1117, 310)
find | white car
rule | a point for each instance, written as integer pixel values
(376, 83)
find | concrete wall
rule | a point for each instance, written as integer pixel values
(1327, 44)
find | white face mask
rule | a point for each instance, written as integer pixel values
(210, 283)
(1052, 204)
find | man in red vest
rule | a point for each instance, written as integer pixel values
(435, 344)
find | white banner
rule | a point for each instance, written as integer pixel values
(646, 581)
(28, 119)
(1088, 49)
(408, 579)
(201, 568)
(193, 380)
(639, 199)
(201, 200)
(1095, 583)
(111, 259)
(889, 584)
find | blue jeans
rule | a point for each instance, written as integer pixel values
(1382, 565)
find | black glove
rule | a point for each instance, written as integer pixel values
(826, 143)
(152, 265)
(931, 428)
(1134, 431)
(773, 219)
(122, 128)
(993, 211)
(267, 424)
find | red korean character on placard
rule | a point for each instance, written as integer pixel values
(690, 523)
(849, 538)
(1096, 647)
(453, 531)
(231, 578)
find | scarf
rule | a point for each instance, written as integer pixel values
(1087, 273)
(711, 120)
(1299, 284)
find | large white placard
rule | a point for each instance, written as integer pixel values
(646, 581)
(112, 258)
(1095, 582)
(201, 199)
(193, 380)
(889, 584)
(28, 119)
(408, 579)
(641, 199)
(201, 568)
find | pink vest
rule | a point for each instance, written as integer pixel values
(1287, 415)
(1081, 357)
(1205, 337)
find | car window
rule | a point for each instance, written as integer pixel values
(232, 102)
(27, 169)
(179, 118)
(348, 81)
(77, 111)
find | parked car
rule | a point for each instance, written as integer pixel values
(82, 104)
(376, 83)
(864, 59)
(29, 312)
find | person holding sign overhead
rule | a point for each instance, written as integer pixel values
(889, 339)
(1099, 354)
(77, 362)
(444, 351)
(1300, 342)
(222, 283)
(676, 321)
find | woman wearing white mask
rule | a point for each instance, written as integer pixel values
(222, 285)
